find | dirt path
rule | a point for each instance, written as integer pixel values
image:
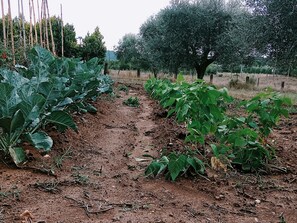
(101, 177)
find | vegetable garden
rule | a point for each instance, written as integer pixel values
(224, 159)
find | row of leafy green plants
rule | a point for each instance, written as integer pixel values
(44, 95)
(234, 140)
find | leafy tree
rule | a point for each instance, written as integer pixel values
(128, 52)
(70, 44)
(93, 45)
(237, 44)
(277, 30)
(187, 34)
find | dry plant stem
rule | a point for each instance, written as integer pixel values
(86, 207)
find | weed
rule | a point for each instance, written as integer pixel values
(51, 187)
(237, 84)
(132, 102)
(282, 218)
(59, 159)
(14, 192)
(123, 88)
(80, 179)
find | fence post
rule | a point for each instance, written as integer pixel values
(282, 85)
(105, 68)
(211, 78)
(247, 80)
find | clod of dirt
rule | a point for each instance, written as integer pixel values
(27, 216)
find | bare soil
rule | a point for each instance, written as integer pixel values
(97, 175)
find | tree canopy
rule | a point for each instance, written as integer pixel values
(93, 45)
(277, 30)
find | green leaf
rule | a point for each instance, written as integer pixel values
(17, 121)
(197, 164)
(169, 102)
(8, 100)
(240, 142)
(62, 120)
(41, 140)
(155, 168)
(90, 108)
(176, 165)
(18, 155)
(215, 150)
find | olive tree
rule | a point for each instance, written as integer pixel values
(187, 34)
(277, 37)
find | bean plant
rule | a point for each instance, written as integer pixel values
(239, 140)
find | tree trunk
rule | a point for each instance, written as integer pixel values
(155, 74)
(138, 72)
(201, 68)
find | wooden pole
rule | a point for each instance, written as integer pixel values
(40, 24)
(31, 27)
(282, 85)
(62, 31)
(247, 79)
(43, 12)
(211, 78)
(11, 32)
(23, 27)
(20, 20)
(34, 18)
(51, 28)
(3, 25)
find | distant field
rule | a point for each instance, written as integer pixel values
(223, 80)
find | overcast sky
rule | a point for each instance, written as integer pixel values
(115, 18)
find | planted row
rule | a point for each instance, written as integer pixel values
(45, 93)
(236, 140)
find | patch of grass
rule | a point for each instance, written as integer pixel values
(132, 102)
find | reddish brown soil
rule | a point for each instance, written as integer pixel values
(101, 175)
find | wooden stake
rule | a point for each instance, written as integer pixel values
(51, 29)
(43, 12)
(11, 32)
(40, 24)
(24, 30)
(62, 31)
(20, 20)
(211, 78)
(34, 18)
(31, 27)
(3, 25)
